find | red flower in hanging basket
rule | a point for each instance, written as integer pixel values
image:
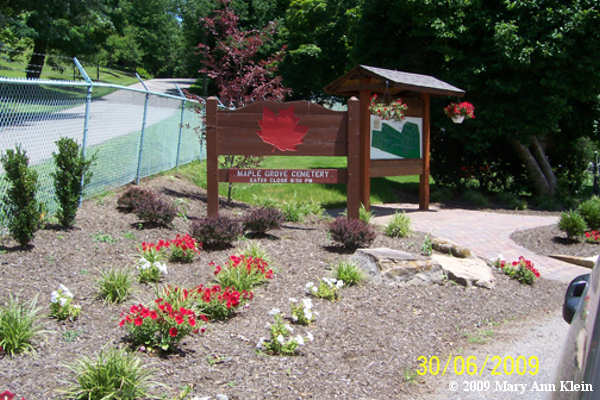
(459, 111)
(391, 111)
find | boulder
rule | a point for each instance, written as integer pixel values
(395, 267)
(466, 271)
(448, 247)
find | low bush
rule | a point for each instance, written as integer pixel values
(572, 224)
(113, 375)
(399, 226)
(161, 326)
(302, 312)
(590, 211)
(243, 273)
(19, 326)
(114, 285)
(130, 200)
(327, 288)
(262, 220)
(521, 270)
(296, 211)
(61, 304)
(216, 232)
(351, 234)
(217, 303)
(348, 273)
(71, 175)
(183, 249)
(281, 340)
(22, 208)
(156, 210)
(475, 198)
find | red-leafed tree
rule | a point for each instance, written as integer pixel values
(231, 58)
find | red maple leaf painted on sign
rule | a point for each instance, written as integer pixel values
(281, 130)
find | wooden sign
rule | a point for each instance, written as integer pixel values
(283, 175)
(298, 128)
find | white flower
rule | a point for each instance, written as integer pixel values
(77, 307)
(280, 339)
(62, 301)
(328, 281)
(309, 287)
(307, 303)
(339, 284)
(300, 340)
(268, 325)
(261, 342)
(54, 297)
(308, 314)
(274, 311)
(144, 264)
(310, 336)
(289, 328)
(294, 317)
(293, 300)
(162, 267)
(65, 290)
(314, 290)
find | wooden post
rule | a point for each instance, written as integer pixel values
(365, 149)
(424, 178)
(353, 186)
(212, 166)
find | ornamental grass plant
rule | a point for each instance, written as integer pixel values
(399, 226)
(113, 375)
(114, 285)
(348, 273)
(19, 326)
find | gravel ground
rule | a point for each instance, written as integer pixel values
(366, 345)
(549, 239)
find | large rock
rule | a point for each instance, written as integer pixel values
(449, 247)
(395, 267)
(466, 271)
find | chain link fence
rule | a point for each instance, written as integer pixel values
(132, 132)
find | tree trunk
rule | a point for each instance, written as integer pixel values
(36, 61)
(535, 173)
(540, 155)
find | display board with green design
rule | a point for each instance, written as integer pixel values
(396, 139)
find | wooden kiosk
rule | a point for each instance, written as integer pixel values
(415, 90)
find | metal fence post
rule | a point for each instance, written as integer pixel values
(139, 166)
(88, 102)
(180, 126)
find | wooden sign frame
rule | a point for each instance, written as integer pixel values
(323, 133)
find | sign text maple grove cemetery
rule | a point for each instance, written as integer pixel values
(298, 128)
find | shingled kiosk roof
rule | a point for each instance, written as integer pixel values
(395, 82)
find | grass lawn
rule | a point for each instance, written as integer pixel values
(383, 190)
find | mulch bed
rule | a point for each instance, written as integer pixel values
(547, 240)
(364, 343)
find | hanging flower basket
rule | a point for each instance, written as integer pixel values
(390, 111)
(458, 111)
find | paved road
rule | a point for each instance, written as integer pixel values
(541, 338)
(116, 114)
(487, 234)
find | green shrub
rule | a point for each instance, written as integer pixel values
(114, 285)
(475, 198)
(399, 226)
(22, 208)
(348, 273)
(113, 375)
(441, 194)
(296, 211)
(19, 326)
(511, 200)
(364, 214)
(351, 234)
(590, 211)
(572, 224)
(71, 175)
(216, 232)
(261, 220)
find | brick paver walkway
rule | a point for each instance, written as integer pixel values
(486, 234)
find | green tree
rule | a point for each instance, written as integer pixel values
(319, 37)
(530, 68)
